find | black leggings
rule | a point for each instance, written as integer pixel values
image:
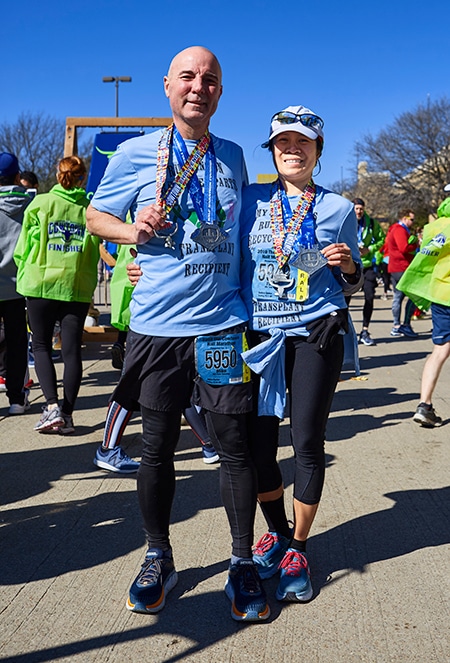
(156, 475)
(311, 379)
(16, 342)
(42, 315)
(369, 287)
(370, 284)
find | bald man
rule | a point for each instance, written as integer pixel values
(182, 187)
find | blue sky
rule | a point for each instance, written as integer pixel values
(358, 65)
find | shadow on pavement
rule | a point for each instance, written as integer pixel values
(417, 520)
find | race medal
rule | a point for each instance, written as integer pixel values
(309, 260)
(168, 241)
(281, 282)
(209, 235)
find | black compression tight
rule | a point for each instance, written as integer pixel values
(311, 380)
(156, 475)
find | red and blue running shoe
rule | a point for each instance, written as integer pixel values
(268, 553)
(295, 581)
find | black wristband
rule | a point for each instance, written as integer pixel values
(352, 278)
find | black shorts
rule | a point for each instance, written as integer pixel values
(159, 374)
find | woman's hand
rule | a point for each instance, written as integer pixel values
(339, 255)
(134, 272)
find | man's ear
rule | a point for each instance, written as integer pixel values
(166, 85)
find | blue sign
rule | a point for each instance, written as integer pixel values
(105, 144)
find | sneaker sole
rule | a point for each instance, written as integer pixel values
(170, 583)
(51, 426)
(420, 419)
(210, 461)
(251, 616)
(51, 430)
(21, 408)
(295, 597)
(111, 468)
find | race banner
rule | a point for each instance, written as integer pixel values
(105, 144)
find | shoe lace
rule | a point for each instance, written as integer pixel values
(150, 571)
(265, 543)
(250, 579)
(293, 562)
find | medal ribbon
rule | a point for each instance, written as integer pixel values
(184, 176)
(205, 205)
(284, 236)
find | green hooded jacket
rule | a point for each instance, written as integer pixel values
(372, 238)
(427, 278)
(56, 256)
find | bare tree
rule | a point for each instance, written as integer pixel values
(38, 142)
(413, 157)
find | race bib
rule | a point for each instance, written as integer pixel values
(218, 359)
(270, 284)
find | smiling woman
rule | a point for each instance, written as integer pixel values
(295, 157)
(297, 264)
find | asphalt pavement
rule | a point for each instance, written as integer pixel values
(71, 539)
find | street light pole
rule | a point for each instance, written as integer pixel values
(116, 80)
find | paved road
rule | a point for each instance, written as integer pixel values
(71, 539)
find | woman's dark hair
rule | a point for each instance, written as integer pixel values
(30, 177)
(71, 170)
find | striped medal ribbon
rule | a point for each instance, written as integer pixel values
(183, 177)
(284, 236)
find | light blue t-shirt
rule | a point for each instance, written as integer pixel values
(334, 221)
(185, 290)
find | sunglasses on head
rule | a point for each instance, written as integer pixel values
(307, 119)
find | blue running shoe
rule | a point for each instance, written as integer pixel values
(295, 582)
(154, 581)
(407, 330)
(268, 553)
(115, 460)
(210, 455)
(247, 596)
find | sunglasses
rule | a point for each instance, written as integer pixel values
(307, 119)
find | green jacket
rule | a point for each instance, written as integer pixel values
(371, 236)
(427, 278)
(56, 257)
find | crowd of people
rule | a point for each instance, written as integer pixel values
(240, 296)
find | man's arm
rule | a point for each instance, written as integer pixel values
(110, 227)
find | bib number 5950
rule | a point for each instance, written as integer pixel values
(226, 358)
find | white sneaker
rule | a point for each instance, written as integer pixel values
(17, 408)
(50, 420)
